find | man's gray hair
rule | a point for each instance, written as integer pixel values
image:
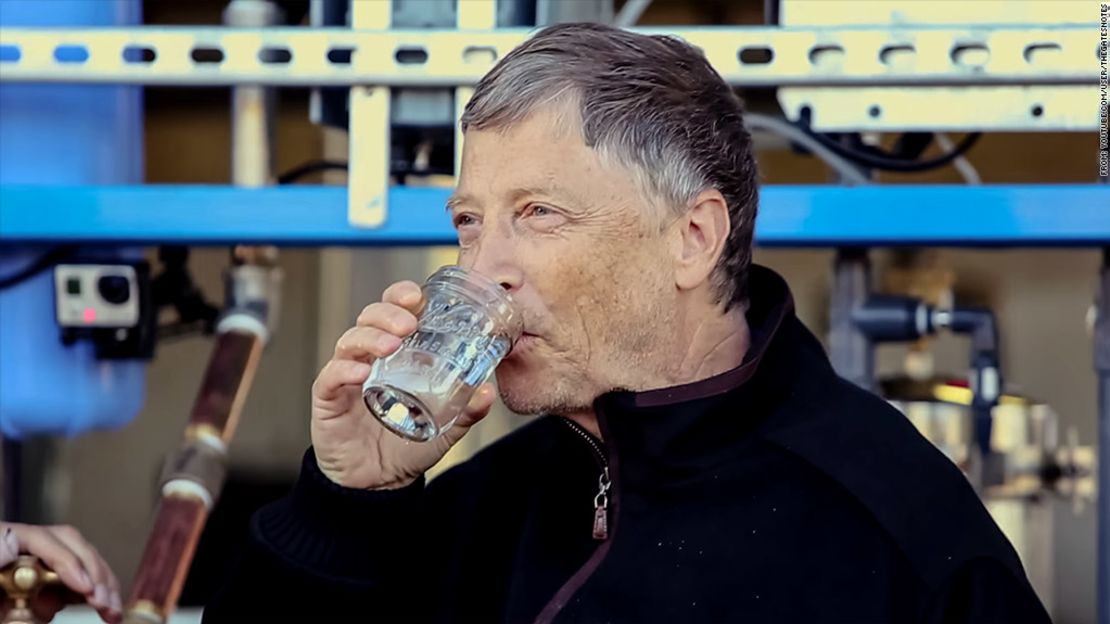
(651, 103)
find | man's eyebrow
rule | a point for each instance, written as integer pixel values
(455, 200)
(560, 196)
(459, 199)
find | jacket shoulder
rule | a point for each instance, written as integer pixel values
(880, 461)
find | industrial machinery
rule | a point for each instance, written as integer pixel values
(395, 75)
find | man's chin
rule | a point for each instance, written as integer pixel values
(537, 389)
(518, 386)
(526, 385)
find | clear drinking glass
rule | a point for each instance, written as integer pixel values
(467, 326)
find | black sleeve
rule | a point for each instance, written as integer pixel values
(986, 591)
(325, 553)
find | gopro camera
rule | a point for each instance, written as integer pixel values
(96, 295)
(109, 303)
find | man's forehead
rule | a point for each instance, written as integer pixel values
(546, 125)
(511, 167)
(542, 156)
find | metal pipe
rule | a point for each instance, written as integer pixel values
(848, 172)
(252, 105)
(630, 13)
(986, 378)
(1102, 367)
(195, 475)
(894, 318)
(850, 350)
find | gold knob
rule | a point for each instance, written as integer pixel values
(20, 582)
(25, 578)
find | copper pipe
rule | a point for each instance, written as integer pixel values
(226, 381)
(194, 477)
(167, 557)
(195, 474)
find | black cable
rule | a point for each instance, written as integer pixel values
(179, 329)
(174, 287)
(874, 161)
(309, 168)
(38, 265)
(885, 162)
(911, 145)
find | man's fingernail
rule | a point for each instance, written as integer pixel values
(100, 595)
(84, 578)
(117, 604)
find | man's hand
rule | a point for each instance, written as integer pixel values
(352, 448)
(76, 561)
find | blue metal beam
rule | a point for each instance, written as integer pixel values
(790, 216)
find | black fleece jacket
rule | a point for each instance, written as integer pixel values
(774, 492)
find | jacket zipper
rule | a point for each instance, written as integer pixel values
(602, 530)
(601, 499)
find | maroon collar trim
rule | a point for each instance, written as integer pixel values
(777, 303)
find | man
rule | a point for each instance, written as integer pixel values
(699, 460)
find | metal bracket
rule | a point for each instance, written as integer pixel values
(368, 110)
(473, 15)
(761, 56)
(898, 109)
(1026, 107)
(875, 77)
(368, 180)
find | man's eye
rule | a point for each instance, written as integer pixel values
(537, 210)
(464, 220)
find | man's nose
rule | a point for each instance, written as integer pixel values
(494, 257)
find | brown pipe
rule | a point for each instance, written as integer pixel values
(166, 560)
(195, 474)
(193, 478)
(226, 382)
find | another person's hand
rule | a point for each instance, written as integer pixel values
(352, 448)
(73, 558)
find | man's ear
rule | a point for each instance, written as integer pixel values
(700, 237)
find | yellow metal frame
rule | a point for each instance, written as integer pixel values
(1036, 77)
(815, 56)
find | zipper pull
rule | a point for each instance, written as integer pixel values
(601, 507)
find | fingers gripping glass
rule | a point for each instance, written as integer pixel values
(468, 325)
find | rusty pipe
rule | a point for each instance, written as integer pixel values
(194, 475)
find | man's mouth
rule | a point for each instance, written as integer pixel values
(524, 343)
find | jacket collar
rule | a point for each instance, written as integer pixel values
(658, 436)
